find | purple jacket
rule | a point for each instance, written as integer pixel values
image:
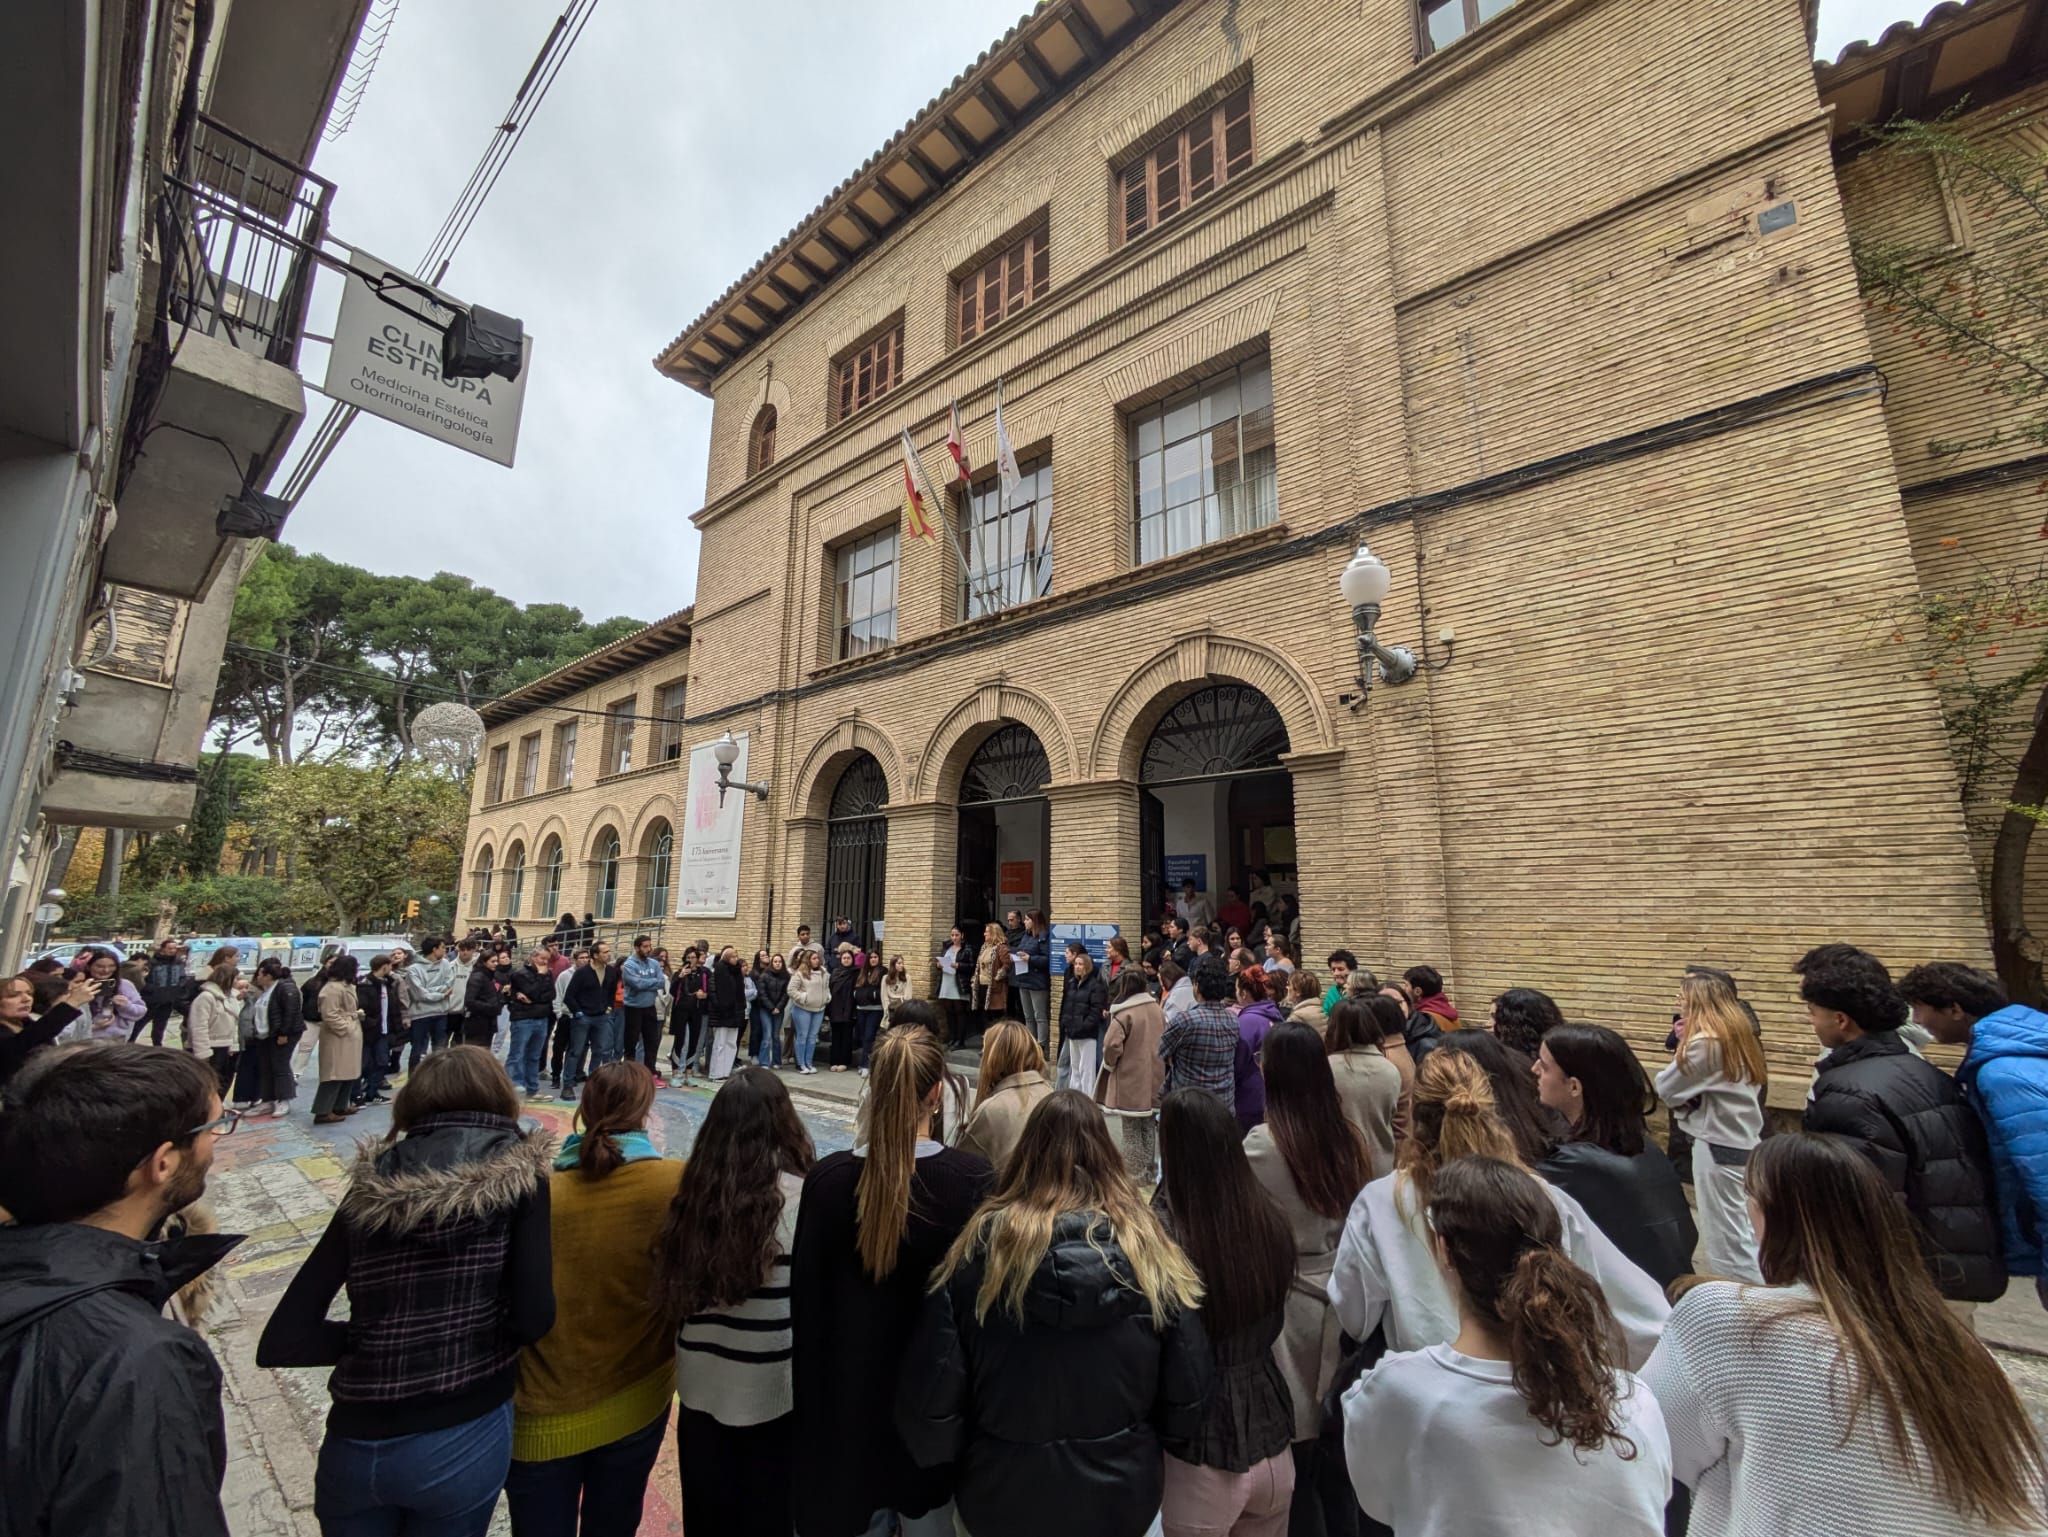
(1253, 1021)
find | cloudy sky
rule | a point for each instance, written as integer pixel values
(680, 142)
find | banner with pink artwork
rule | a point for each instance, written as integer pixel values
(708, 866)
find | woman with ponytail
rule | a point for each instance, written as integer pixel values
(1532, 1424)
(1059, 1351)
(870, 1227)
(592, 1403)
(1842, 1395)
(1386, 1273)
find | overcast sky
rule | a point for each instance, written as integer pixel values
(680, 142)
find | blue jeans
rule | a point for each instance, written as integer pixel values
(767, 1042)
(611, 1038)
(429, 1033)
(610, 1482)
(440, 1483)
(586, 1033)
(806, 1022)
(523, 1056)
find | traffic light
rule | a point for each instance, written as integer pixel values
(412, 908)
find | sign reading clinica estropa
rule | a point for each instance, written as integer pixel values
(387, 361)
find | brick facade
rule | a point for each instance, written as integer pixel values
(1529, 340)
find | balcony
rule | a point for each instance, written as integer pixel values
(217, 396)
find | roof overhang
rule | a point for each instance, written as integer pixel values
(659, 639)
(1031, 66)
(1976, 51)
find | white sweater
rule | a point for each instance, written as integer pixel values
(1442, 1445)
(1758, 1417)
(1385, 1272)
(1705, 1101)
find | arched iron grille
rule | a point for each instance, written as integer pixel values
(856, 848)
(1226, 728)
(1010, 765)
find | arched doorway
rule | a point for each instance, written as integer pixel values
(1005, 828)
(656, 850)
(856, 848)
(515, 879)
(605, 902)
(1217, 802)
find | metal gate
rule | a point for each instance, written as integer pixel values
(856, 849)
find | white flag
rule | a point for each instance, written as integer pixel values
(1007, 472)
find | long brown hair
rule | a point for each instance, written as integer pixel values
(1454, 1117)
(1007, 1048)
(1228, 1226)
(1324, 1153)
(616, 1098)
(1832, 1223)
(1707, 1003)
(908, 1065)
(718, 1242)
(1502, 1238)
(1064, 1162)
(458, 1078)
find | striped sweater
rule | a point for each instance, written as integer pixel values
(734, 1363)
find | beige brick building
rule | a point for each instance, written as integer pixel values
(1554, 310)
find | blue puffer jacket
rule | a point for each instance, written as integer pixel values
(2005, 1078)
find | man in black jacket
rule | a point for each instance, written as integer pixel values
(483, 997)
(592, 997)
(110, 1416)
(166, 988)
(1906, 1115)
(530, 996)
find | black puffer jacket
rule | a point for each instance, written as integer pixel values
(772, 989)
(1636, 1202)
(728, 1006)
(538, 988)
(1909, 1118)
(1084, 1007)
(1055, 1423)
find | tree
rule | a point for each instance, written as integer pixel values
(1982, 307)
(363, 836)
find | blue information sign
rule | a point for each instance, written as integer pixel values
(1096, 936)
(1186, 867)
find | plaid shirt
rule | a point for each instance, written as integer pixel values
(1200, 1048)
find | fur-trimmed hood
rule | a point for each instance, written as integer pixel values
(449, 1169)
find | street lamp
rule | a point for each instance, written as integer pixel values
(1364, 584)
(727, 752)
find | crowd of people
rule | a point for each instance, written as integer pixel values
(1241, 1249)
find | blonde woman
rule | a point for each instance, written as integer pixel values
(1711, 1087)
(1012, 1085)
(1387, 1271)
(870, 1227)
(1056, 1359)
(992, 976)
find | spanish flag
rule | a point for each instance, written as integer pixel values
(914, 515)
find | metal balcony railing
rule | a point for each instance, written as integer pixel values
(240, 227)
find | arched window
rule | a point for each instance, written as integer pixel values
(659, 845)
(761, 441)
(480, 883)
(550, 877)
(1226, 728)
(607, 904)
(1009, 765)
(515, 879)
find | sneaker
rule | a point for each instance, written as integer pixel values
(660, 1082)
(863, 1072)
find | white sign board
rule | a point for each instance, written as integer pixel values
(708, 884)
(388, 363)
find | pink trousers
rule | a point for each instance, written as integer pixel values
(1208, 1502)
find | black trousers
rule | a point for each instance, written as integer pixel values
(736, 1477)
(158, 1019)
(643, 1037)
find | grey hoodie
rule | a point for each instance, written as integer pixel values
(430, 986)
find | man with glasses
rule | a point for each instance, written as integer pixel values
(111, 1421)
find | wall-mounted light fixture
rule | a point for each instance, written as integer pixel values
(727, 752)
(1364, 584)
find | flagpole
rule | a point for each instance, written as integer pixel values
(932, 500)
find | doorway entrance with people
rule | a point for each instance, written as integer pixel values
(856, 849)
(1217, 804)
(1005, 829)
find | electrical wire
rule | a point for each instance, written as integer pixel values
(505, 138)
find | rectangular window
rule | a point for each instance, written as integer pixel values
(1008, 281)
(866, 585)
(565, 755)
(1202, 464)
(494, 781)
(1445, 21)
(1188, 166)
(529, 764)
(618, 735)
(1009, 549)
(868, 373)
(668, 704)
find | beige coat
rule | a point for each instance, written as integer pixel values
(1133, 1074)
(1369, 1087)
(992, 977)
(210, 1022)
(811, 992)
(998, 1121)
(1310, 1012)
(893, 993)
(1397, 1053)
(341, 1033)
(1309, 1344)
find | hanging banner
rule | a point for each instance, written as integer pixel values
(388, 362)
(708, 863)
